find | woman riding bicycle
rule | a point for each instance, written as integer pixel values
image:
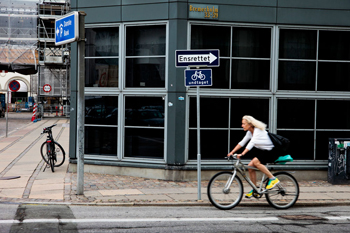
(260, 146)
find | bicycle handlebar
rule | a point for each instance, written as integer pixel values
(231, 157)
(47, 129)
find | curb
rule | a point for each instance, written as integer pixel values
(315, 203)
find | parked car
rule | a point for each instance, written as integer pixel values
(2, 111)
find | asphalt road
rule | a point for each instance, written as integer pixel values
(73, 218)
(16, 120)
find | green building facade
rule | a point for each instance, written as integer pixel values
(287, 63)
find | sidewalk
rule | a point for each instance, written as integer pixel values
(20, 156)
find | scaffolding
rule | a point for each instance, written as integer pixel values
(18, 36)
(53, 75)
(27, 46)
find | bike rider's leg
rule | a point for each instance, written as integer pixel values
(252, 173)
(256, 163)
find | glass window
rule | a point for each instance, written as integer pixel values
(250, 74)
(145, 72)
(296, 114)
(324, 118)
(101, 140)
(296, 75)
(101, 110)
(333, 76)
(251, 42)
(145, 51)
(301, 144)
(145, 40)
(144, 143)
(213, 112)
(102, 42)
(206, 37)
(144, 111)
(258, 108)
(144, 127)
(297, 44)
(102, 62)
(213, 144)
(102, 72)
(334, 45)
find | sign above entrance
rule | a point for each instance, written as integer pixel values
(202, 11)
(209, 58)
(14, 86)
(67, 28)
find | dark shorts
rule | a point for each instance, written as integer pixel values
(264, 156)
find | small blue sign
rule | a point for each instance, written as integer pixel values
(209, 58)
(67, 28)
(196, 78)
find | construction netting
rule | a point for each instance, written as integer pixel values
(53, 82)
(18, 36)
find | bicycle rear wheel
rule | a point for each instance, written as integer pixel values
(284, 194)
(223, 197)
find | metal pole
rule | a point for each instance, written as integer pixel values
(81, 105)
(7, 112)
(198, 146)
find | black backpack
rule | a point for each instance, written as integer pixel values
(281, 143)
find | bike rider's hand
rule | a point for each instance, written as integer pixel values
(239, 156)
(229, 154)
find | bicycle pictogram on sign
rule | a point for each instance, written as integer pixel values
(198, 74)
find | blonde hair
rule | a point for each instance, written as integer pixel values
(251, 120)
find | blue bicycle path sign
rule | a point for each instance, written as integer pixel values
(67, 28)
(198, 78)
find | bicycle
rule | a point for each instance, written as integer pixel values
(51, 151)
(225, 189)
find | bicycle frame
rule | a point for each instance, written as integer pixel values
(241, 168)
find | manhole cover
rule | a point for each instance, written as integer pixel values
(301, 217)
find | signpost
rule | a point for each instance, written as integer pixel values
(197, 78)
(13, 86)
(70, 28)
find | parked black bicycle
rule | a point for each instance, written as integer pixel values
(51, 151)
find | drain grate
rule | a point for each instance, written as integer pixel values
(301, 217)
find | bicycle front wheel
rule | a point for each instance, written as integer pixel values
(285, 193)
(223, 194)
(58, 153)
(44, 154)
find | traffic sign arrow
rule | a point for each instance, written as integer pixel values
(197, 58)
(208, 58)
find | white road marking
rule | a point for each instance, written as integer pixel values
(123, 220)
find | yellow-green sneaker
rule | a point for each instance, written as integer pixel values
(272, 183)
(250, 194)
